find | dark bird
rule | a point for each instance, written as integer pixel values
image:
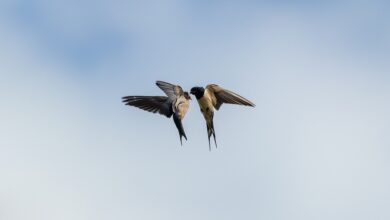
(212, 98)
(176, 103)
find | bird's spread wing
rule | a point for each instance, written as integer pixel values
(220, 96)
(152, 104)
(172, 91)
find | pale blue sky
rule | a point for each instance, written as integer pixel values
(315, 147)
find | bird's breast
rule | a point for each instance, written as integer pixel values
(181, 107)
(206, 107)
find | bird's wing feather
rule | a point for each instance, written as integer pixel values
(172, 91)
(154, 104)
(219, 96)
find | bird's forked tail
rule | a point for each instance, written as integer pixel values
(180, 128)
(211, 131)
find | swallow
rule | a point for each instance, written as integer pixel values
(212, 97)
(175, 104)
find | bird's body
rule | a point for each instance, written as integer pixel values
(180, 107)
(206, 106)
(175, 104)
(207, 110)
(212, 98)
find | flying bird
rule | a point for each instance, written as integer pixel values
(175, 104)
(212, 98)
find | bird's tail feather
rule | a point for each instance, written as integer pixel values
(180, 128)
(211, 131)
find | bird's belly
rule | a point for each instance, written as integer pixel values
(206, 108)
(182, 110)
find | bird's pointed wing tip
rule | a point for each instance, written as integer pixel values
(160, 82)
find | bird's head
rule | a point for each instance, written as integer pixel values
(198, 92)
(187, 96)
